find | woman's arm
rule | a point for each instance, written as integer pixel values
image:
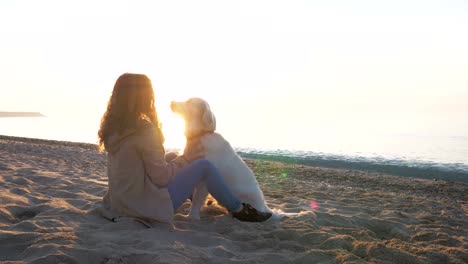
(152, 152)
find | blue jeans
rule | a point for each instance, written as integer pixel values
(182, 186)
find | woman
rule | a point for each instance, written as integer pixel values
(142, 183)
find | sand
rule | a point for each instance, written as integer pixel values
(49, 192)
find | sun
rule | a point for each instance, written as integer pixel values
(173, 129)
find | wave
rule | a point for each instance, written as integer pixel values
(399, 167)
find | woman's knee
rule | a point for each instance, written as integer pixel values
(204, 163)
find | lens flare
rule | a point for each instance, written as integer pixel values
(314, 205)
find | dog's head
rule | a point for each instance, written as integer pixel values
(197, 115)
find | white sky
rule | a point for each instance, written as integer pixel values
(268, 68)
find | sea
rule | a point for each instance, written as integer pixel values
(434, 157)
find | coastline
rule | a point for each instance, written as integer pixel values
(49, 190)
(21, 114)
(414, 169)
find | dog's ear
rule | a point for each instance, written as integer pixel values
(209, 120)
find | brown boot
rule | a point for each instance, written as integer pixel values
(250, 214)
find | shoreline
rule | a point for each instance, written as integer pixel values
(50, 142)
(423, 170)
(20, 114)
(431, 173)
(49, 191)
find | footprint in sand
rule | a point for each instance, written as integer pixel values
(25, 215)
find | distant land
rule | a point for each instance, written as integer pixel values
(21, 114)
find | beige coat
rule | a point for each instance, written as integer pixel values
(138, 175)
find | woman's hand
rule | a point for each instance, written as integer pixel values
(193, 150)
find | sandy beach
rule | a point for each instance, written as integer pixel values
(49, 192)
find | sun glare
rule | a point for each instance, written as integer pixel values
(173, 129)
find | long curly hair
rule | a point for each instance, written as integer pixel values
(132, 99)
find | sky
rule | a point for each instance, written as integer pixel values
(273, 71)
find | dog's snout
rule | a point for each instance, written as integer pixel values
(173, 106)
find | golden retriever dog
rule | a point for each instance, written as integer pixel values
(200, 122)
